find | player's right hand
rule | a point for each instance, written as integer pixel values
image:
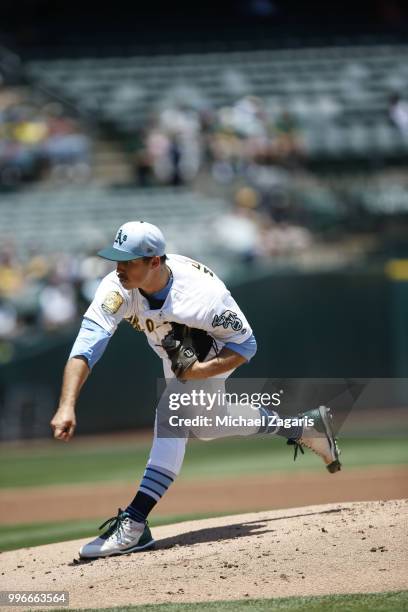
(63, 424)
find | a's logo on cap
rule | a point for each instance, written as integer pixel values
(120, 239)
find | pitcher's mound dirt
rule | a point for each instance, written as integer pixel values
(313, 550)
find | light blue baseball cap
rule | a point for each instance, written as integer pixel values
(134, 240)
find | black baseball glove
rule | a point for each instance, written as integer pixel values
(184, 346)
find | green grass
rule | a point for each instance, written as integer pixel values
(361, 602)
(67, 463)
(25, 535)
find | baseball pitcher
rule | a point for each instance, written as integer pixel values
(198, 330)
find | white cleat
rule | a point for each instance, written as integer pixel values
(124, 535)
(319, 438)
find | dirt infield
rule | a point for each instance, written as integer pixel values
(243, 494)
(314, 550)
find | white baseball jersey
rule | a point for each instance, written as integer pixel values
(197, 298)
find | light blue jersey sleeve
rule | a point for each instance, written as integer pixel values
(247, 349)
(91, 342)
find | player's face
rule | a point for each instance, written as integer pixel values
(136, 273)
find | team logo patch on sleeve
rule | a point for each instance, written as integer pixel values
(112, 302)
(227, 319)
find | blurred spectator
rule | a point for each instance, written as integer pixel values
(171, 148)
(182, 139)
(398, 110)
(57, 304)
(237, 233)
(48, 292)
(36, 136)
(247, 198)
(8, 320)
(249, 232)
(91, 269)
(288, 144)
(284, 239)
(37, 267)
(11, 274)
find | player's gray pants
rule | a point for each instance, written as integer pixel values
(168, 452)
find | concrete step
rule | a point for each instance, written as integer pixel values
(110, 163)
